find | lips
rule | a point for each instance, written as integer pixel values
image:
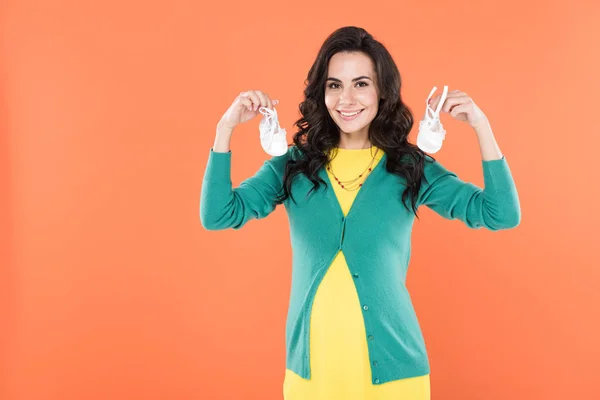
(350, 117)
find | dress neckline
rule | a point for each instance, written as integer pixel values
(329, 191)
(357, 150)
(344, 153)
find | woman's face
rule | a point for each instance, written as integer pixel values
(351, 86)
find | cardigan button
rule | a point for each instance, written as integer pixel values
(376, 380)
(365, 308)
(375, 363)
(355, 275)
(370, 337)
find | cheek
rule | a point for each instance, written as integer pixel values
(372, 98)
(329, 101)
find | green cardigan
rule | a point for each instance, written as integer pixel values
(375, 237)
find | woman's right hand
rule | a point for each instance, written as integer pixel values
(245, 107)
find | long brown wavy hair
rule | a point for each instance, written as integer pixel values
(318, 133)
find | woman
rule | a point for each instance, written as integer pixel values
(351, 331)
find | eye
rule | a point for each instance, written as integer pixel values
(332, 85)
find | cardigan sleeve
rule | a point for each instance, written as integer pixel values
(223, 206)
(495, 207)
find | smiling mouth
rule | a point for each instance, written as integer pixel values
(350, 116)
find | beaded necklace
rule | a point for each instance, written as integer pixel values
(346, 185)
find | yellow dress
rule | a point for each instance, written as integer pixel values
(339, 360)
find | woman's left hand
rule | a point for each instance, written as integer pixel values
(461, 107)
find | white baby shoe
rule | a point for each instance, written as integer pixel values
(272, 137)
(431, 132)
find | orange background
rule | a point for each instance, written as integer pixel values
(111, 289)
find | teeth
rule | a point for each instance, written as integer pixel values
(349, 115)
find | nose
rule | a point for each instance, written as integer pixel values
(347, 96)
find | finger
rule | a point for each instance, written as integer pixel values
(269, 101)
(434, 101)
(244, 98)
(275, 102)
(457, 94)
(247, 103)
(450, 101)
(461, 108)
(263, 99)
(243, 95)
(258, 100)
(254, 98)
(453, 101)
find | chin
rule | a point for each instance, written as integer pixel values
(352, 130)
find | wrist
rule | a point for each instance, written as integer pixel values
(482, 126)
(224, 130)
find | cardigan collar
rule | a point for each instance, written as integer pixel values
(330, 193)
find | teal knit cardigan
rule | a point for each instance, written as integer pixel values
(375, 237)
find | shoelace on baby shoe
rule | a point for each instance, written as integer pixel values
(273, 138)
(431, 132)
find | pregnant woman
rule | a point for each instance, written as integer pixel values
(351, 185)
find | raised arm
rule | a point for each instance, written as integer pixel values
(222, 206)
(494, 207)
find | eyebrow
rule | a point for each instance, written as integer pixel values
(353, 80)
